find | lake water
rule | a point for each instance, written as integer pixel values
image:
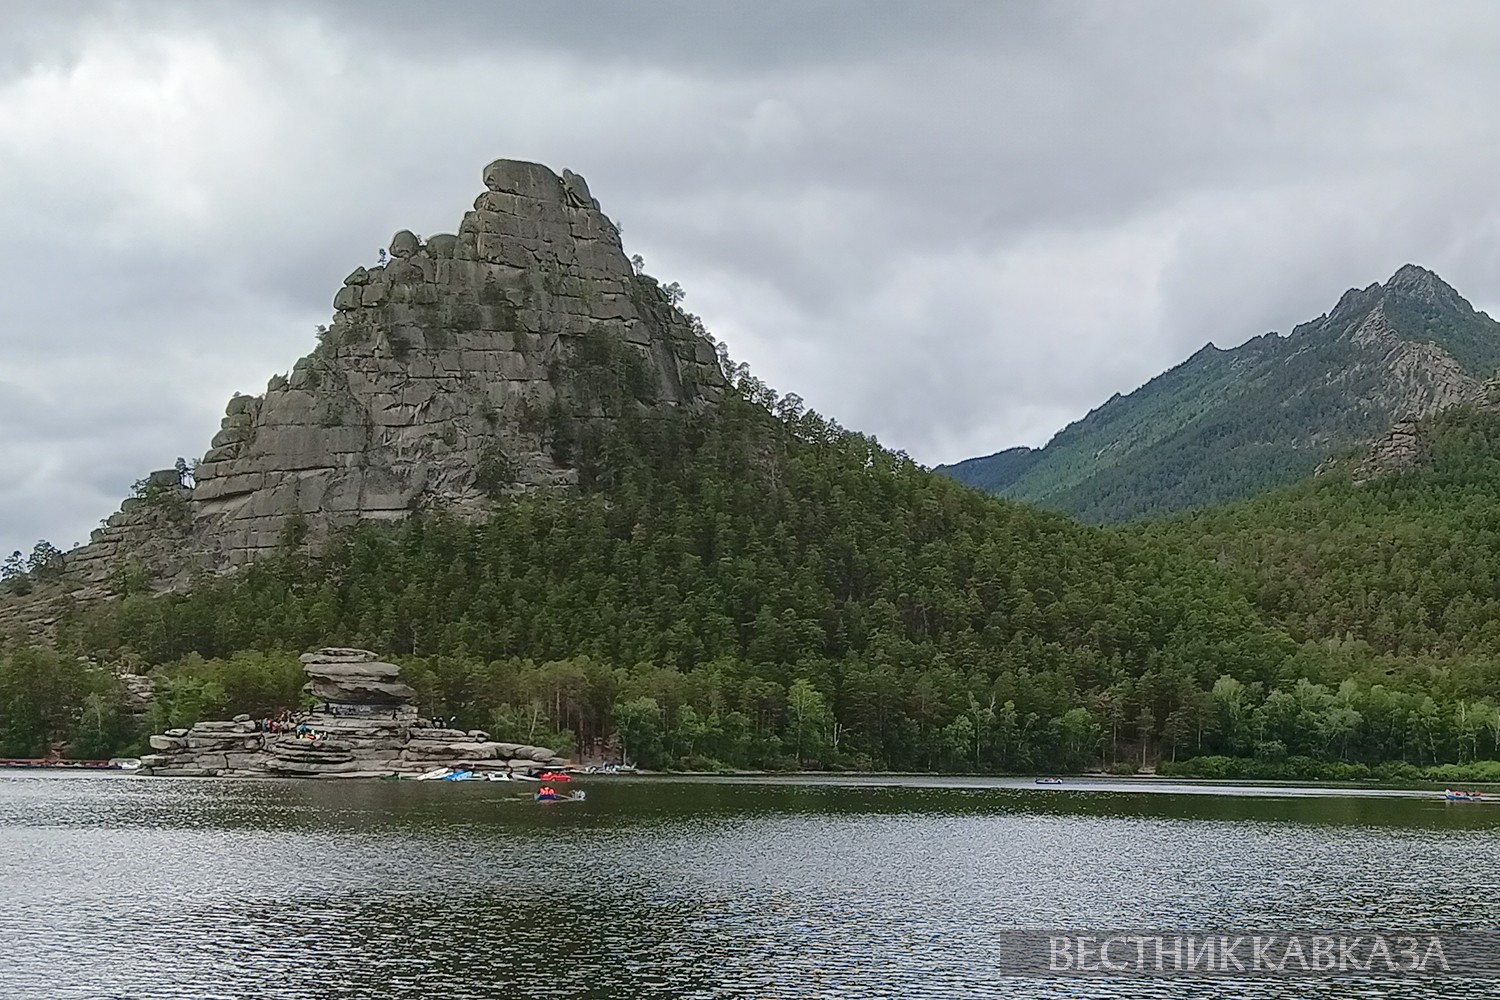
(113, 885)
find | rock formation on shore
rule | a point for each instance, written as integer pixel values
(365, 726)
(460, 369)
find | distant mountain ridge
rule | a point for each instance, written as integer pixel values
(1225, 425)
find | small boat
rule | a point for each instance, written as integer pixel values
(555, 776)
(546, 794)
(1453, 796)
(498, 776)
(462, 776)
(518, 776)
(1049, 781)
(436, 774)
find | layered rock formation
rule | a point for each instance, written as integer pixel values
(365, 726)
(458, 370)
(351, 680)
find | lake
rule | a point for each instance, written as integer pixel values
(122, 886)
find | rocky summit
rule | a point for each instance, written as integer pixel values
(460, 369)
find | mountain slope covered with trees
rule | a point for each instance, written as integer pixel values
(757, 587)
(1226, 425)
(788, 591)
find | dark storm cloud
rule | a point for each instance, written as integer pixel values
(956, 226)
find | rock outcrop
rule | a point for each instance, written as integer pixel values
(353, 679)
(1406, 444)
(458, 370)
(365, 726)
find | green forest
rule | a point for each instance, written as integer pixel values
(753, 586)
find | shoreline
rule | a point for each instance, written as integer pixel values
(1096, 783)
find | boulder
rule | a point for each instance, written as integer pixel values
(404, 244)
(576, 191)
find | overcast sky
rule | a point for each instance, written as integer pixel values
(955, 226)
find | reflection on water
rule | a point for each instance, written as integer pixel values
(121, 886)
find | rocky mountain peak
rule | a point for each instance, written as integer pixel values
(1414, 282)
(1412, 289)
(460, 368)
(1227, 424)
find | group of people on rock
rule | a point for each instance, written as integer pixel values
(287, 722)
(283, 723)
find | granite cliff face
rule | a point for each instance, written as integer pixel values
(1225, 425)
(461, 369)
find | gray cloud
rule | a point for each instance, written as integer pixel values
(957, 226)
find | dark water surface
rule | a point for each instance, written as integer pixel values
(123, 886)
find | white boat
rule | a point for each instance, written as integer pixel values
(436, 774)
(499, 776)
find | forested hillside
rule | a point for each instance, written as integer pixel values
(746, 586)
(1392, 585)
(757, 587)
(1406, 563)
